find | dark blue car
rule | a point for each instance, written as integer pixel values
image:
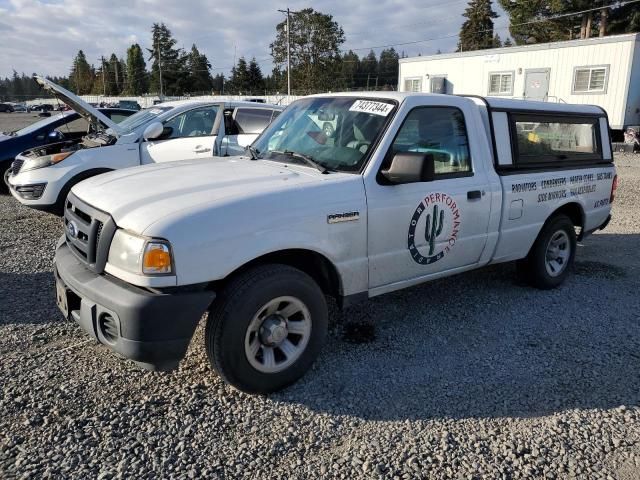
(56, 128)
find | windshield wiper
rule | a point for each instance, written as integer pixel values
(305, 158)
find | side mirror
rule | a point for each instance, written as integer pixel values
(153, 131)
(410, 167)
(54, 136)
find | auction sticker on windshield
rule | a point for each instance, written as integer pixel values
(369, 106)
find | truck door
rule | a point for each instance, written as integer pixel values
(418, 230)
(191, 136)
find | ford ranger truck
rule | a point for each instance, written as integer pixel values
(404, 189)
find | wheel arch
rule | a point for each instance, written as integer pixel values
(58, 207)
(316, 265)
(575, 212)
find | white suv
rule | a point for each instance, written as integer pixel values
(42, 177)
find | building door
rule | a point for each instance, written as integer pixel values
(536, 84)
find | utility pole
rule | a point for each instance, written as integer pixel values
(104, 85)
(117, 78)
(159, 68)
(288, 12)
(77, 79)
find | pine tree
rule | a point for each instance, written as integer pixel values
(81, 75)
(368, 71)
(507, 43)
(255, 79)
(173, 62)
(542, 21)
(350, 68)
(388, 68)
(114, 76)
(239, 81)
(477, 31)
(136, 71)
(315, 50)
(199, 76)
(218, 83)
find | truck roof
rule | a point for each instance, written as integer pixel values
(493, 102)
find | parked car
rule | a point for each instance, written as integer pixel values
(19, 107)
(43, 107)
(410, 188)
(42, 177)
(131, 104)
(67, 127)
(6, 107)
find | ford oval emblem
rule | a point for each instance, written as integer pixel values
(72, 229)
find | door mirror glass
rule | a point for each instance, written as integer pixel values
(410, 167)
(153, 131)
(54, 136)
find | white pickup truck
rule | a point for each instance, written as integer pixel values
(407, 188)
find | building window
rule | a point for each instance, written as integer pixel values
(501, 83)
(590, 79)
(413, 85)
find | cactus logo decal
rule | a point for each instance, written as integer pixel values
(434, 228)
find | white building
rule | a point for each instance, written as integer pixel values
(602, 71)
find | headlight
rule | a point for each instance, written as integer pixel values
(45, 161)
(140, 255)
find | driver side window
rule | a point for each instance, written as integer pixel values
(439, 131)
(194, 123)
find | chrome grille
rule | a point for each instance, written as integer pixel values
(88, 232)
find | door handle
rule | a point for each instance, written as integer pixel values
(200, 149)
(474, 195)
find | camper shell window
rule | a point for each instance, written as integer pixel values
(549, 140)
(592, 79)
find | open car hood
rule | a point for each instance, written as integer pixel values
(89, 113)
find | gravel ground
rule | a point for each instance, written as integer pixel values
(498, 381)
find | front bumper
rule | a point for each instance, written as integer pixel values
(152, 329)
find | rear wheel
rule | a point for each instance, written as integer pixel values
(552, 255)
(266, 328)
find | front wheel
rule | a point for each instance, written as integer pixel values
(266, 328)
(551, 256)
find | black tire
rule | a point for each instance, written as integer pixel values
(534, 270)
(231, 316)
(4, 188)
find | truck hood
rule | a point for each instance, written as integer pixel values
(89, 113)
(140, 196)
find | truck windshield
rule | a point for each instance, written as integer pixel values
(336, 133)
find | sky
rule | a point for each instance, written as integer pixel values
(43, 36)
